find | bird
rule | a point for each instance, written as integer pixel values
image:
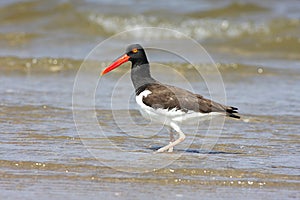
(165, 104)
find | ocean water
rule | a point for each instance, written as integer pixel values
(67, 133)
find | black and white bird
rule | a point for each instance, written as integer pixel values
(166, 104)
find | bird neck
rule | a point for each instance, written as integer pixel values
(141, 76)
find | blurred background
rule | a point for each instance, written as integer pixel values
(264, 29)
(256, 46)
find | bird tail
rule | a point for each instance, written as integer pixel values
(232, 112)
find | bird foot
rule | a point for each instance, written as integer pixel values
(160, 150)
(170, 150)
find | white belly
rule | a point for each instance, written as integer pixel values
(166, 116)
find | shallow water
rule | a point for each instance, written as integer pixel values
(42, 153)
(50, 148)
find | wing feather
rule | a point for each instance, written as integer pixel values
(170, 97)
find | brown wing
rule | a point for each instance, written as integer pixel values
(170, 97)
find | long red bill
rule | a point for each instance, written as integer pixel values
(116, 64)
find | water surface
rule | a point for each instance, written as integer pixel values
(256, 48)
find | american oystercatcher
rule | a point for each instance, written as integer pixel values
(163, 103)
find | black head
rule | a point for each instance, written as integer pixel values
(134, 53)
(140, 70)
(137, 54)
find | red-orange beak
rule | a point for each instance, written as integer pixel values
(116, 64)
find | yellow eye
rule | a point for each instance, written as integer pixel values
(135, 50)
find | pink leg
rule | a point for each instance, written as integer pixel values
(172, 139)
(172, 144)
